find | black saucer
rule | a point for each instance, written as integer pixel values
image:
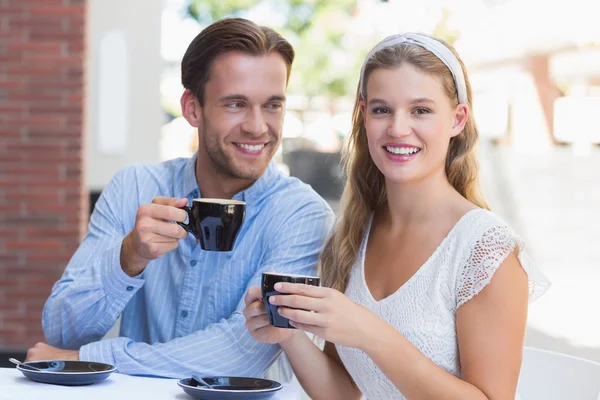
(68, 373)
(230, 388)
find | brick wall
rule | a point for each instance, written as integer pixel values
(43, 204)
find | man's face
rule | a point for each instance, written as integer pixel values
(242, 117)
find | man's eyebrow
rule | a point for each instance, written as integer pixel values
(277, 97)
(231, 97)
(235, 96)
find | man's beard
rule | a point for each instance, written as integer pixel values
(226, 166)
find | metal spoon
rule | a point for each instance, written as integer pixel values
(202, 381)
(17, 362)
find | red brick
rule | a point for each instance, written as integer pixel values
(53, 34)
(52, 158)
(6, 259)
(33, 69)
(34, 233)
(10, 208)
(42, 201)
(14, 83)
(37, 23)
(58, 10)
(13, 107)
(42, 58)
(37, 47)
(11, 157)
(35, 120)
(59, 109)
(33, 244)
(30, 97)
(46, 2)
(12, 34)
(31, 148)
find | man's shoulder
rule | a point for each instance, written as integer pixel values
(143, 169)
(149, 172)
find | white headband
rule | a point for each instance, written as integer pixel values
(437, 48)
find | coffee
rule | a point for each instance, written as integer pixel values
(215, 222)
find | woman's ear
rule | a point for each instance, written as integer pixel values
(461, 116)
(191, 109)
(363, 111)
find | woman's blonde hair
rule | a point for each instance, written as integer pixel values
(365, 186)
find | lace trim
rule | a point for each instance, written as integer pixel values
(487, 255)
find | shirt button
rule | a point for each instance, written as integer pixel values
(193, 263)
(129, 288)
(184, 314)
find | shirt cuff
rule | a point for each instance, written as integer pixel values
(120, 286)
(98, 352)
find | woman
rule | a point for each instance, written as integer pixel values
(425, 291)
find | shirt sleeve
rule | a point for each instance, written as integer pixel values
(93, 290)
(225, 347)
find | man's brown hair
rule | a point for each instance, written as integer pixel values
(230, 34)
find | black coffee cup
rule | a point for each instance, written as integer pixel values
(269, 279)
(215, 222)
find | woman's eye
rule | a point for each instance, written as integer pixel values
(380, 110)
(422, 110)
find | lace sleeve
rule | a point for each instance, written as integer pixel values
(487, 255)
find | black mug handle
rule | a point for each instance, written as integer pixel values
(189, 228)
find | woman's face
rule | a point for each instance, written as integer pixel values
(409, 121)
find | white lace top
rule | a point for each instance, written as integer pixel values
(424, 308)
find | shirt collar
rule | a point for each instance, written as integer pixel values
(258, 188)
(190, 184)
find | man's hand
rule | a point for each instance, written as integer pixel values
(42, 351)
(154, 233)
(257, 321)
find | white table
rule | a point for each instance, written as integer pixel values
(14, 386)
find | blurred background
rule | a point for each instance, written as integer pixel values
(89, 86)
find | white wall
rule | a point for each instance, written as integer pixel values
(140, 23)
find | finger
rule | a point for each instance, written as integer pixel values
(169, 201)
(297, 301)
(315, 330)
(254, 309)
(159, 249)
(169, 229)
(256, 323)
(302, 316)
(160, 228)
(302, 289)
(253, 294)
(164, 212)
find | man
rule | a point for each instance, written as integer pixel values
(181, 306)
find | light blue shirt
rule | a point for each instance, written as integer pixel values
(182, 315)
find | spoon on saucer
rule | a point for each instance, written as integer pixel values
(202, 381)
(22, 364)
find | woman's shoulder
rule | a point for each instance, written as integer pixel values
(478, 224)
(482, 219)
(487, 240)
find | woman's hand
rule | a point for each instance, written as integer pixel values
(257, 320)
(334, 316)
